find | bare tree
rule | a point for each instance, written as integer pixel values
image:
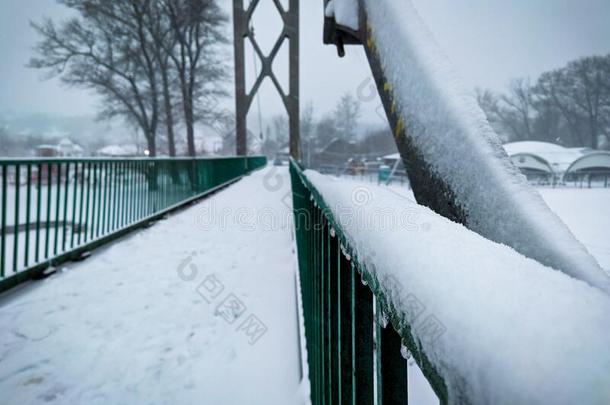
(143, 57)
(581, 92)
(519, 105)
(307, 132)
(164, 43)
(511, 114)
(197, 27)
(347, 113)
(106, 49)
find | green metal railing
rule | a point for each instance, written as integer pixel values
(352, 356)
(52, 210)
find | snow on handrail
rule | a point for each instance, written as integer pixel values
(454, 158)
(485, 324)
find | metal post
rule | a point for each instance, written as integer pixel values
(292, 101)
(243, 100)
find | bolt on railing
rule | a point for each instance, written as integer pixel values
(52, 210)
(352, 356)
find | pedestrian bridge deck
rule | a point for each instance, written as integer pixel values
(199, 308)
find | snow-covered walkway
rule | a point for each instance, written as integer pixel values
(199, 308)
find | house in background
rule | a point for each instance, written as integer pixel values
(65, 148)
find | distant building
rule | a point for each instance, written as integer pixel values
(590, 167)
(550, 163)
(67, 148)
(336, 152)
(118, 151)
(46, 151)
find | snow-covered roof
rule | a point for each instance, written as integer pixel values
(118, 150)
(556, 157)
(66, 145)
(590, 161)
(65, 142)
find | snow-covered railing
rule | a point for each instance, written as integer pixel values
(484, 323)
(454, 159)
(53, 210)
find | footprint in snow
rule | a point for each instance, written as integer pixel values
(34, 332)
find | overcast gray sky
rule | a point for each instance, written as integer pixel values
(489, 41)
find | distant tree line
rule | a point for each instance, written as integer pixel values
(158, 64)
(342, 124)
(569, 106)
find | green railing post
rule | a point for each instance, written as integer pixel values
(3, 219)
(87, 225)
(81, 203)
(57, 209)
(28, 199)
(363, 343)
(346, 337)
(327, 275)
(38, 208)
(335, 319)
(65, 213)
(47, 226)
(393, 368)
(16, 224)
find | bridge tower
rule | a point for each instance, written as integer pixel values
(242, 31)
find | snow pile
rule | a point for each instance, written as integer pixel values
(345, 12)
(508, 330)
(448, 128)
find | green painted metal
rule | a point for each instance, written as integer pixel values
(3, 221)
(28, 200)
(16, 243)
(348, 353)
(83, 203)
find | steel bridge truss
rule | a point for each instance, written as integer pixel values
(243, 31)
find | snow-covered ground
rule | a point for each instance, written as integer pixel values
(587, 213)
(199, 308)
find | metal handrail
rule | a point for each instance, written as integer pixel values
(344, 318)
(53, 210)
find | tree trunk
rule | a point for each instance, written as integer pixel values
(190, 130)
(169, 115)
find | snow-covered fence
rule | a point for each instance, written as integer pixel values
(52, 210)
(484, 323)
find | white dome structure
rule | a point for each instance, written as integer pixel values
(542, 157)
(591, 162)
